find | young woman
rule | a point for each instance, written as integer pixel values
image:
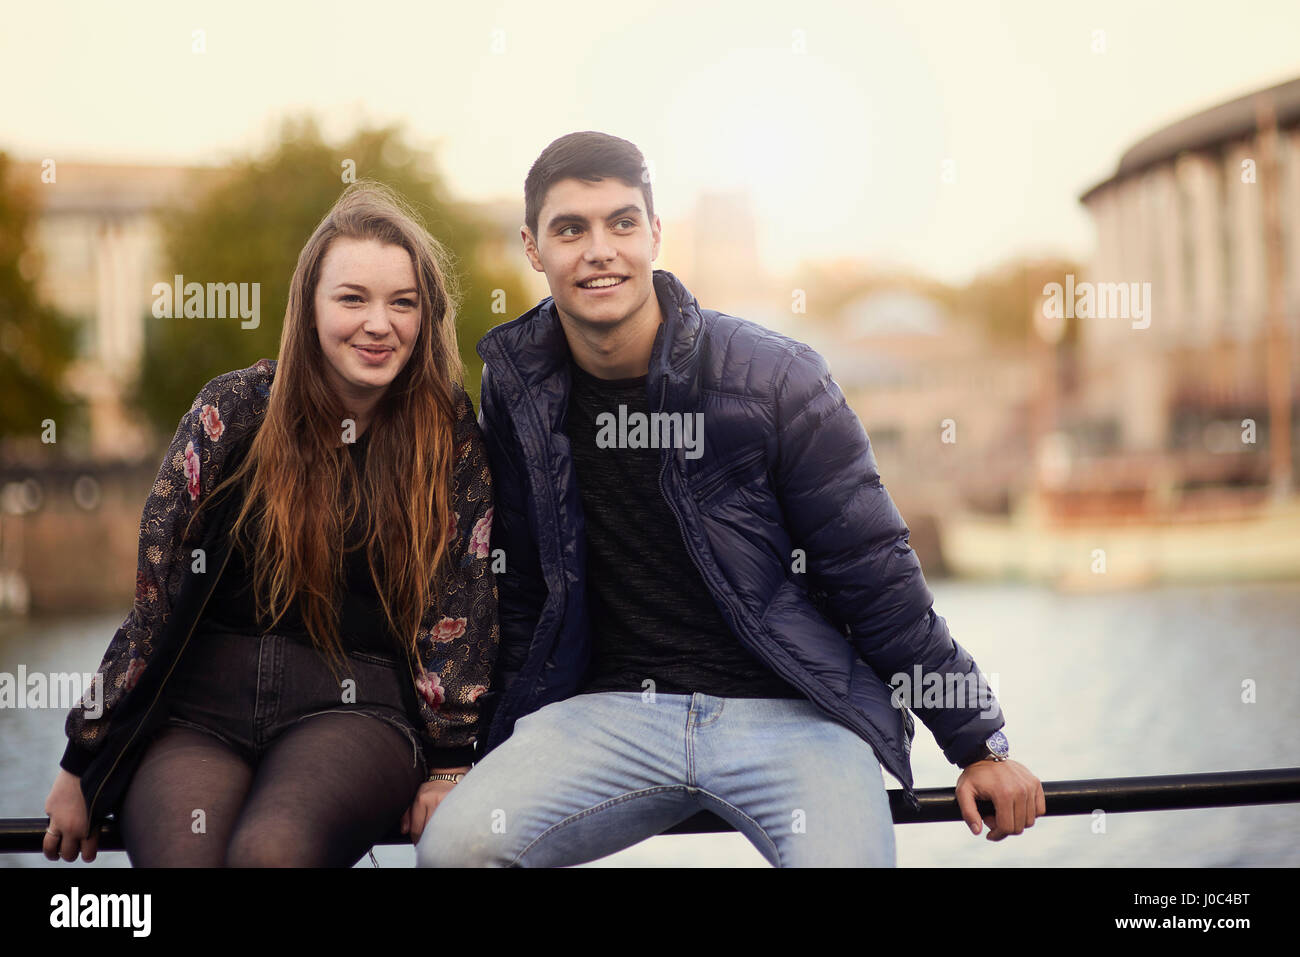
(315, 614)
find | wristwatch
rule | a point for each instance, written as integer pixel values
(453, 778)
(995, 747)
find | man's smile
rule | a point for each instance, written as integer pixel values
(598, 283)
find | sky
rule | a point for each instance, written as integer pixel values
(942, 137)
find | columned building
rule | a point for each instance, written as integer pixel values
(1185, 211)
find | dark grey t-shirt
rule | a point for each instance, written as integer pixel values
(651, 613)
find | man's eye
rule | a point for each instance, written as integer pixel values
(631, 223)
(566, 229)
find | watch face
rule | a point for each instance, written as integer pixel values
(998, 744)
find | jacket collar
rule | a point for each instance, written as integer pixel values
(534, 348)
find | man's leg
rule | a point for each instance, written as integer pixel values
(577, 780)
(804, 789)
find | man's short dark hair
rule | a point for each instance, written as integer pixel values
(588, 156)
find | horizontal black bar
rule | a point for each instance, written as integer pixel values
(1113, 795)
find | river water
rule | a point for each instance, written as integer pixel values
(1111, 685)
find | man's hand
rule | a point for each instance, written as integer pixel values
(426, 801)
(1016, 794)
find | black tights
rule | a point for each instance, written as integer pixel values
(323, 793)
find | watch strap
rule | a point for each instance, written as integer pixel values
(453, 778)
(984, 753)
(978, 755)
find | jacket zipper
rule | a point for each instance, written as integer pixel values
(90, 812)
(514, 692)
(726, 594)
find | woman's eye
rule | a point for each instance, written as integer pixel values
(408, 303)
(350, 296)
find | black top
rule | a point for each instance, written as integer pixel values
(651, 613)
(362, 624)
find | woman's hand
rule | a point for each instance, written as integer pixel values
(426, 802)
(66, 834)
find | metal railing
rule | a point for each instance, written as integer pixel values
(1112, 795)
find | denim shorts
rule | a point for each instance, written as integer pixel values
(248, 689)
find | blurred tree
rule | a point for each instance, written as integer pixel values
(250, 227)
(1004, 301)
(37, 343)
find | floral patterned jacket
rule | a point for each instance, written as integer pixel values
(458, 639)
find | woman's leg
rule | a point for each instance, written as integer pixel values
(325, 790)
(183, 800)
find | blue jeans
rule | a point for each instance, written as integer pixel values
(582, 778)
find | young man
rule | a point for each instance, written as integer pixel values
(707, 590)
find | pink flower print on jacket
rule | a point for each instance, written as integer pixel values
(133, 672)
(449, 629)
(212, 423)
(430, 687)
(478, 543)
(477, 692)
(192, 470)
(145, 591)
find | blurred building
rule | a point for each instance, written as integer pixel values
(714, 251)
(98, 239)
(1165, 439)
(947, 409)
(1187, 211)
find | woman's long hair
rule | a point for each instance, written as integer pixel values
(302, 487)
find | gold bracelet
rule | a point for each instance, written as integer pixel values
(453, 778)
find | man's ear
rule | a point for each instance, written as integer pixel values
(530, 248)
(656, 230)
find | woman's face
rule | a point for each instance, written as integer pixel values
(367, 317)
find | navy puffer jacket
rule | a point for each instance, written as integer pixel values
(786, 465)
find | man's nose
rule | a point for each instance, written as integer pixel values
(600, 248)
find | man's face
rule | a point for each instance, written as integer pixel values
(596, 233)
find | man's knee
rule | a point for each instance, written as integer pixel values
(465, 831)
(451, 842)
